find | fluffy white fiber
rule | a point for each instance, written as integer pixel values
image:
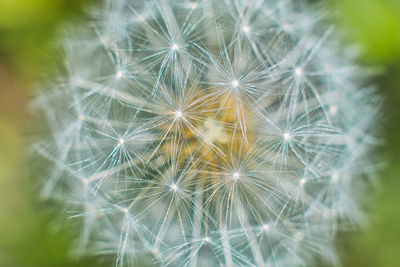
(210, 133)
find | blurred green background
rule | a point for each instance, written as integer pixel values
(30, 234)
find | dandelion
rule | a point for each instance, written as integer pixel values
(209, 133)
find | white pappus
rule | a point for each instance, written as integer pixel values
(209, 133)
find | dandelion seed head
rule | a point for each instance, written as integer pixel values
(178, 114)
(206, 240)
(235, 83)
(193, 5)
(335, 176)
(174, 187)
(208, 133)
(333, 110)
(118, 75)
(287, 27)
(154, 251)
(299, 236)
(246, 29)
(174, 47)
(265, 227)
(125, 210)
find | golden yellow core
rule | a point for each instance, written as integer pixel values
(219, 132)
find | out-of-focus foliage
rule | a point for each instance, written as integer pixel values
(374, 24)
(379, 244)
(27, 234)
(27, 25)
